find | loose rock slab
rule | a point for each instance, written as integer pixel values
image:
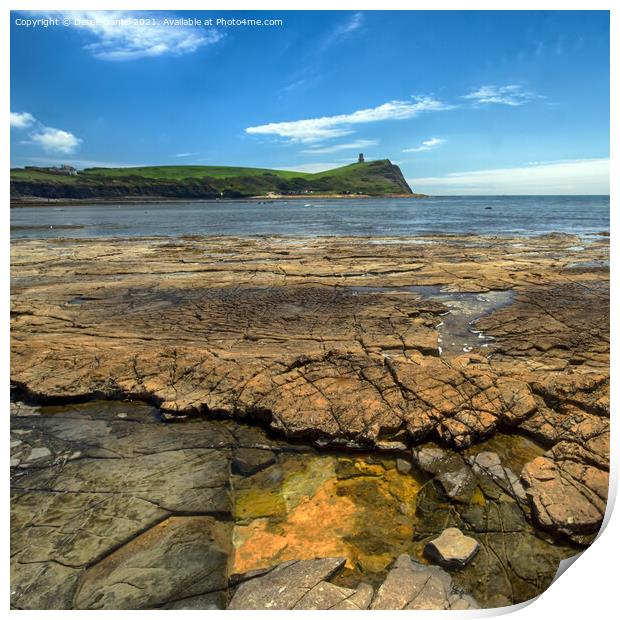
(452, 549)
(412, 585)
(291, 584)
(569, 499)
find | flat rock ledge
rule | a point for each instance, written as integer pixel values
(452, 549)
(320, 340)
(338, 341)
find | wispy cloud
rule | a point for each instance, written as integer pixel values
(512, 94)
(351, 24)
(21, 120)
(50, 139)
(294, 85)
(117, 35)
(577, 176)
(315, 129)
(335, 148)
(186, 154)
(427, 145)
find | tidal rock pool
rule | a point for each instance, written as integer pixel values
(361, 507)
(113, 508)
(457, 324)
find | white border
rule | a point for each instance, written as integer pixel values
(588, 588)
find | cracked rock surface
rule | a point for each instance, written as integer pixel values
(339, 342)
(299, 334)
(292, 585)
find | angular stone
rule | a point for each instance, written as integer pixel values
(458, 484)
(412, 585)
(403, 466)
(452, 549)
(429, 458)
(284, 586)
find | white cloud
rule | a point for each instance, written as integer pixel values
(21, 120)
(326, 127)
(579, 176)
(427, 145)
(513, 95)
(55, 140)
(335, 148)
(185, 154)
(50, 139)
(119, 37)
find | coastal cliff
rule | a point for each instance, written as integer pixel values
(376, 178)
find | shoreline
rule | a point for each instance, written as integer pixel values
(16, 203)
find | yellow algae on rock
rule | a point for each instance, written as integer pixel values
(360, 508)
(369, 469)
(316, 527)
(253, 503)
(477, 497)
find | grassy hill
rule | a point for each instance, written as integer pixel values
(376, 178)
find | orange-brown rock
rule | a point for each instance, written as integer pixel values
(322, 339)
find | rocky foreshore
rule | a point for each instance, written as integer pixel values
(349, 344)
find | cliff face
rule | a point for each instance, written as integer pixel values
(84, 190)
(376, 178)
(392, 173)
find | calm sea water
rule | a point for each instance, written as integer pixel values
(507, 215)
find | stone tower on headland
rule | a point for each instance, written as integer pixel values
(360, 159)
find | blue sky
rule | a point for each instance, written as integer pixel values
(464, 102)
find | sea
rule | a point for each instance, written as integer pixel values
(369, 217)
